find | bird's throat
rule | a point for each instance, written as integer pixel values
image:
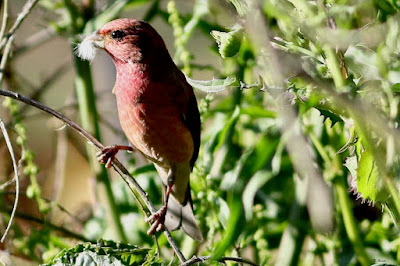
(132, 78)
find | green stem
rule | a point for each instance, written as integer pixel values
(349, 222)
(341, 190)
(395, 198)
(333, 65)
(89, 119)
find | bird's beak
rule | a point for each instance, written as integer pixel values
(96, 39)
(88, 47)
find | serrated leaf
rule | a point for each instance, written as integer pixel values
(104, 253)
(328, 114)
(368, 183)
(209, 86)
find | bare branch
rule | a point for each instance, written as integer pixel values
(52, 204)
(4, 20)
(24, 13)
(15, 166)
(195, 259)
(4, 58)
(63, 230)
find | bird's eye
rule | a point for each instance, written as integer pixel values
(118, 34)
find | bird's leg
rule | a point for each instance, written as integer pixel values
(107, 154)
(158, 217)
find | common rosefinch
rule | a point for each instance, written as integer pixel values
(157, 111)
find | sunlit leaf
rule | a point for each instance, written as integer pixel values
(369, 183)
(209, 86)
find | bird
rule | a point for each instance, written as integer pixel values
(158, 113)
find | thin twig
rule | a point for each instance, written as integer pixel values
(4, 20)
(24, 13)
(4, 58)
(195, 259)
(119, 168)
(52, 203)
(6, 184)
(15, 166)
(63, 230)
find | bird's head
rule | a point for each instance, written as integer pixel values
(125, 40)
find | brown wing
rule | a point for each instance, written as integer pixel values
(191, 119)
(190, 112)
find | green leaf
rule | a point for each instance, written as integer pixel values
(351, 165)
(214, 85)
(105, 253)
(223, 213)
(230, 124)
(231, 178)
(228, 42)
(257, 181)
(257, 112)
(144, 169)
(235, 224)
(368, 181)
(328, 114)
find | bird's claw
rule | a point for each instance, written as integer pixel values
(107, 155)
(158, 219)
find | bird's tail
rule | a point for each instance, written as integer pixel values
(179, 215)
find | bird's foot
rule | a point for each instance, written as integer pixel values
(158, 219)
(107, 155)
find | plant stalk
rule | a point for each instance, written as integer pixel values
(350, 223)
(89, 118)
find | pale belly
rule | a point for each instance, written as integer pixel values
(157, 132)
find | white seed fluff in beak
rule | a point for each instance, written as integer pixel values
(87, 49)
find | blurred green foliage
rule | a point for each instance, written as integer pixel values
(339, 61)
